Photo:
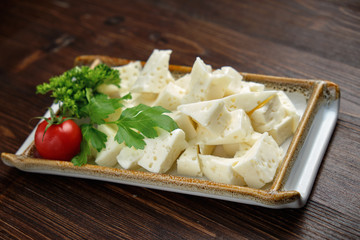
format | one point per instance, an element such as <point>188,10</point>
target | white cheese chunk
<point>239,149</point>
<point>107,156</point>
<point>155,75</point>
<point>259,164</point>
<point>205,84</point>
<point>184,82</point>
<point>188,163</point>
<point>210,114</point>
<point>185,123</point>
<point>219,81</point>
<point>282,130</point>
<point>160,153</point>
<point>235,83</point>
<point>220,169</point>
<point>238,129</point>
<point>252,87</point>
<point>170,97</point>
<point>203,135</point>
<point>236,148</point>
<point>129,73</point>
<point>290,109</point>
<point>129,157</point>
<point>278,117</point>
<point>246,100</point>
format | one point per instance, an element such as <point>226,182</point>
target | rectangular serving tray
<point>317,101</point>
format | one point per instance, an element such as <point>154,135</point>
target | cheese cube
<point>252,87</point>
<point>185,123</point>
<point>290,109</point>
<point>259,164</point>
<point>129,73</point>
<point>184,82</point>
<point>237,130</point>
<point>129,157</point>
<point>219,81</point>
<point>236,148</point>
<point>239,149</point>
<point>210,114</point>
<point>160,153</point>
<point>220,169</point>
<point>204,84</point>
<point>236,84</point>
<point>203,135</point>
<point>170,97</point>
<point>282,130</point>
<point>107,156</point>
<point>155,75</point>
<point>246,100</point>
<point>188,163</point>
<point>278,117</point>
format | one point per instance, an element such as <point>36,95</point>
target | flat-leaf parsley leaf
<point>137,122</point>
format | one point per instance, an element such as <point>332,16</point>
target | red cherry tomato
<point>60,142</point>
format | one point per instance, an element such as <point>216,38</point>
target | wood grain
<point>306,39</point>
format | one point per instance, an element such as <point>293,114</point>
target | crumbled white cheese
<point>229,129</point>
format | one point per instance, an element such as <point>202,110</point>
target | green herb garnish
<point>76,92</point>
<point>75,88</point>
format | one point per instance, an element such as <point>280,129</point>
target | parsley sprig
<point>77,86</point>
<point>76,91</point>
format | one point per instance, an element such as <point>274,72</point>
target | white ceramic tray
<point>317,102</point>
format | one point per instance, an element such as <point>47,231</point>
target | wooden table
<point>302,39</point>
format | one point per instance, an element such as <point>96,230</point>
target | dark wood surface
<point>304,39</point>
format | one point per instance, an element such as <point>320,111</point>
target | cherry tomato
<point>60,142</point>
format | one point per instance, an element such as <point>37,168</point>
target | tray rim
<point>273,197</point>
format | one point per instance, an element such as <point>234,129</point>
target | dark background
<point>301,39</point>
